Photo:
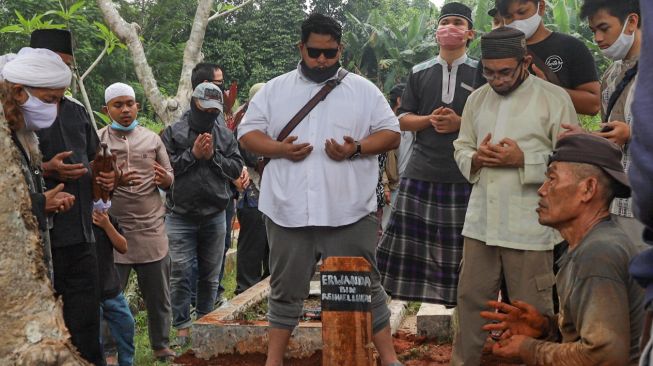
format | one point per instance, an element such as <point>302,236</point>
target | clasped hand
<point>504,154</point>
<point>203,147</point>
<point>445,120</point>
<point>518,322</point>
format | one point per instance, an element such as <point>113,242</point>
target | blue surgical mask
<point>117,126</point>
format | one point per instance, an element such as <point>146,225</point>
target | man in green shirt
<point>601,306</point>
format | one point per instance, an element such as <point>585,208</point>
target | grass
<point>413,308</point>
<point>143,356</point>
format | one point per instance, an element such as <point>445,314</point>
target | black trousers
<point>253,252</point>
<point>76,281</point>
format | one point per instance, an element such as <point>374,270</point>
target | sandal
<point>164,355</point>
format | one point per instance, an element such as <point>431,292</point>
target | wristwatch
<point>356,154</point>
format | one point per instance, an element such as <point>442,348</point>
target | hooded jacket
<point>201,187</point>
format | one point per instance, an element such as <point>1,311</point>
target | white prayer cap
<point>118,90</point>
<point>38,68</point>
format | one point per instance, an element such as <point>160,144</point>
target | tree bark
<point>33,330</point>
<point>128,34</point>
<point>167,109</point>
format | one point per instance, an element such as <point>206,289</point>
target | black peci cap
<point>458,10</point>
<point>503,42</point>
<point>56,40</point>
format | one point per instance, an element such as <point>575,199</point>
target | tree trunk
<point>33,330</point>
<point>167,109</point>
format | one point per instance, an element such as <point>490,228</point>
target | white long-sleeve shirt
<point>319,191</point>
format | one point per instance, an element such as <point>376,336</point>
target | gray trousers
<point>529,277</point>
<point>154,284</point>
<point>294,253</point>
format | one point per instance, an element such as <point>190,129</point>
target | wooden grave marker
<point>346,284</point>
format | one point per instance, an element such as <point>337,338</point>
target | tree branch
<point>225,13</point>
<point>96,62</point>
<point>128,34</point>
<point>192,54</point>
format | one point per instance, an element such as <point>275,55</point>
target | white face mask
<point>619,49</point>
<point>527,26</point>
<point>38,114</point>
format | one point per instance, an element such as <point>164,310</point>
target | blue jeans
<point>116,313</point>
<point>190,239</point>
<point>229,215</point>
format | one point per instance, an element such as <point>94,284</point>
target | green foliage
<point>109,38</point>
<point>150,124</point>
<point>27,26</point>
<point>68,14</point>
<point>383,39</point>
<point>102,120</point>
<point>385,46</point>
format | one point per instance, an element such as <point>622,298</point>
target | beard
<point>513,87</point>
<point>320,75</point>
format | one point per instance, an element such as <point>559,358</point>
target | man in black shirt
<point>557,57</point>
<point>68,147</point>
<point>425,227</point>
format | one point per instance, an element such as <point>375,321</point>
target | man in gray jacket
<point>205,158</point>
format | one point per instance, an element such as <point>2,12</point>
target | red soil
<point>411,349</point>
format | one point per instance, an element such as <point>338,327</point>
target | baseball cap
<point>590,149</point>
<point>209,96</point>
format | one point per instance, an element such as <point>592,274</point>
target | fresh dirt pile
<point>255,359</point>
<point>411,349</point>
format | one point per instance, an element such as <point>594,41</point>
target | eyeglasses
<point>327,52</point>
<point>502,75</point>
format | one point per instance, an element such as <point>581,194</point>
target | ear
<point>633,22</point>
<point>589,189</point>
<point>138,106</point>
<point>19,94</point>
<point>541,8</point>
<point>471,33</point>
<point>528,59</point>
<point>105,110</point>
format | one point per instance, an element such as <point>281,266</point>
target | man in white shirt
<point>509,128</point>
<point>318,191</point>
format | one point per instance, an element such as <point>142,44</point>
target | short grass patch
<point>143,356</point>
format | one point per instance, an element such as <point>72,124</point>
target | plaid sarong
<point>420,251</point>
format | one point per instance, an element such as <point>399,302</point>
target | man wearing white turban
<point>29,102</point>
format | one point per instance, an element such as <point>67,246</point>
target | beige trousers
<point>529,277</point>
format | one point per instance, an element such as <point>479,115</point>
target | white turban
<point>38,68</point>
<point>118,90</point>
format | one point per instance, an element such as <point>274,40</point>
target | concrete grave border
<point>219,333</point>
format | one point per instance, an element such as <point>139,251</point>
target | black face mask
<point>320,75</point>
<point>201,121</point>
<point>522,76</point>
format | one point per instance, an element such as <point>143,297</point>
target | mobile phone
<point>607,129</point>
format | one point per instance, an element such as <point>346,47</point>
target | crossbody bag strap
<point>628,77</point>
<point>306,109</point>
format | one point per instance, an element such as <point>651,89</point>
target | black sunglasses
<point>327,52</point>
